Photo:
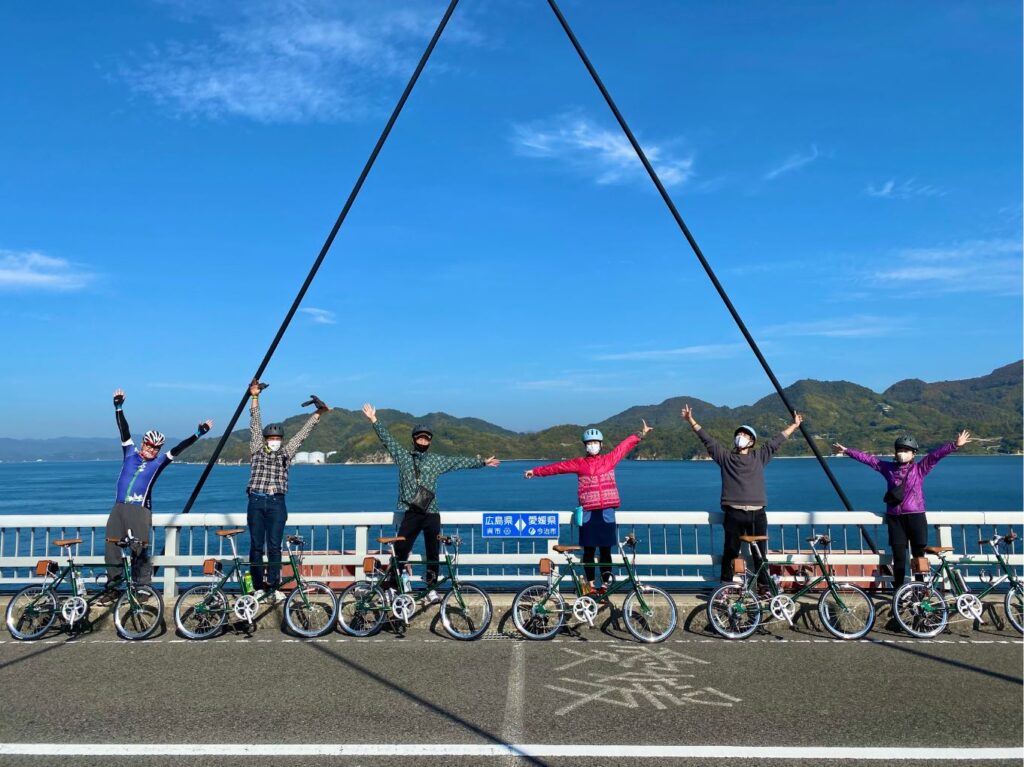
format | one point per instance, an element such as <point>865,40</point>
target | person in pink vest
<point>598,495</point>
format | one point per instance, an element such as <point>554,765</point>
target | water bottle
<point>247,583</point>
<point>777,580</point>
<point>406,587</point>
<point>80,586</point>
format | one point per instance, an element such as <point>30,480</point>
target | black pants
<point>903,529</point>
<point>736,523</point>
<point>412,523</point>
<point>605,553</point>
<point>124,517</point>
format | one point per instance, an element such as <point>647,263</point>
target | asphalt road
<point>792,689</point>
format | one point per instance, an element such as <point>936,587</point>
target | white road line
<point>813,753</point>
<point>515,702</point>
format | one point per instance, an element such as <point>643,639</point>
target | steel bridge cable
<point>326,247</point>
<point>703,261</point>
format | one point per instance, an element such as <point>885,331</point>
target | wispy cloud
<point>705,351</point>
<point>30,270</point>
<point>604,155</point>
<point>975,266</point>
<point>904,190</point>
<point>861,326</point>
<point>319,316</point>
<point>793,162</point>
<point>304,60</point>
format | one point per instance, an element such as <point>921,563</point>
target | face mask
<point>742,441</point>
<point>905,456</point>
<point>421,448</point>
<point>274,445</point>
<point>593,448</point>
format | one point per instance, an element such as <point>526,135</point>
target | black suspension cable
<point>323,251</point>
<point>704,263</point>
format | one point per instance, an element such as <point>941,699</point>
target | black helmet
<point>906,443</point>
<point>421,429</point>
<point>273,430</point>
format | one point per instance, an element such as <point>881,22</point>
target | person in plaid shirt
<point>416,468</point>
<point>268,483</point>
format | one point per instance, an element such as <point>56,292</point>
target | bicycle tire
<point>920,610</point>
<point>141,620</point>
<point>734,611</point>
<point>657,622</point>
<point>466,618</point>
<point>362,610</point>
<point>311,609</point>
<point>211,617</point>
<point>851,620</point>
<point>1013,603</point>
<point>534,624</point>
<point>41,604</point>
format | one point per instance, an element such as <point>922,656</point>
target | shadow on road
<point>951,662</point>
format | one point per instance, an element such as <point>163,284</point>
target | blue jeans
<point>266,517</point>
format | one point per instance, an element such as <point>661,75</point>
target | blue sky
<point>170,170</point>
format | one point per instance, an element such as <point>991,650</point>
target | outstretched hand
<point>118,397</point>
<point>528,474</point>
<point>963,438</point>
<point>645,428</point>
<point>205,426</point>
<point>370,412</point>
<point>838,449</point>
<point>492,462</point>
<point>797,419</point>
<point>686,412</point>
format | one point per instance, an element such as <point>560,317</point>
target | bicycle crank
<point>73,609</point>
<point>969,606</point>
<point>403,607</point>
<point>246,607</point>
<point>783,607</point>
<point>584,610</point>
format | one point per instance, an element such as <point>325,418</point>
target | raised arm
<point>186,443</point>
<point>383,433</point>
<point>122,423</point>
<point>572,466</point>
<point>295,442</point>
<point>712,445</point>
<point>255,422</point>
<point>622,449</point>
<point>454,462</point>
<point>864,458</point>
<point>936,455</point>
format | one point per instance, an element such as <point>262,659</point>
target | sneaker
<point>431,597</point>
<point>271,595</point>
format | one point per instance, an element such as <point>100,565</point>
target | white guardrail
<point>677,548</point>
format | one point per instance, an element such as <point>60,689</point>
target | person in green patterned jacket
<point>418,468</point>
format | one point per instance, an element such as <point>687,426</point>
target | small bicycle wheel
<point>920,610</point>
<point>537,612</point>
<point>650,615</point>
<point>1014,604</point>
<point>847,612</point>
<point>138,612</point>
<point>311,609</point>
<point>362,610</point>
<point>466,611</point>
<point>201,612</point>
<point>31,612</point>
<point>734,611</point>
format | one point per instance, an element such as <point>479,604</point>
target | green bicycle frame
<point>775,590</point>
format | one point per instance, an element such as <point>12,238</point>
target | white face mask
<point>274,445</point>
<point>742,441</point>
<point>904,456</point>
<point>593,448</point>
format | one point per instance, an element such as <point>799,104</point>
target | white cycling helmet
<point>592,435</point>
<point>155,438</point>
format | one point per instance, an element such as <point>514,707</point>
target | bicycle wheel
<point>362,610</point>
<point>920,610</point>
<point>138,612</point>
<point>654,619</point>
<point>733,611</point>
<point>538,613</point>
<point>311,609</point>
<point>1014,604</point>
<point>31,612</point>
<point>847,612</point>
<point>201,612</point>
<point>466,611</point>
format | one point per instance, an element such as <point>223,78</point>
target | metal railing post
<point>170,572</point>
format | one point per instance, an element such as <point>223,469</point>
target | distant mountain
<point>990,406</point>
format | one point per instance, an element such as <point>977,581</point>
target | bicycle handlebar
<point>450,540</point>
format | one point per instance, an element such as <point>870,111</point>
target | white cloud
<point>319,316</point>
<point>605,155</point>
<point>705,351</point>
<point>891,190</point>
<point>300,61</point>
<point>975,266</point>
<point>30,270</point>
<point>861,326</point>
<point>793,162</point>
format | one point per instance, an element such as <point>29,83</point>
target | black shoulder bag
<point>894,495</point>
<point>424,496</point>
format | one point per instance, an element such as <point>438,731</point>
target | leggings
<point>412,523</point>
<point>588,562</point>
<point>904,528</point>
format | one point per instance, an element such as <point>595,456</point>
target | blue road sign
<point>520,525</point>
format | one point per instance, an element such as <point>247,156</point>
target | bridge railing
<point>679,549</point>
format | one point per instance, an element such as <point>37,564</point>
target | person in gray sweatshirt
<point>743,494</point>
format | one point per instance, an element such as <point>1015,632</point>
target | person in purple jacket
<point>904,495</point>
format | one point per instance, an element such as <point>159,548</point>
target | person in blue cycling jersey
<point>133,501</point>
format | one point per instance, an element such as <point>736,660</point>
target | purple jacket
<point>909,474</point>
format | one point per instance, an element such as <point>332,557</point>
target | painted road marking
<point>815,753</point>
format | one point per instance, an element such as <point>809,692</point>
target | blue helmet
<point>592,435</point>
<point>747,429</point>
